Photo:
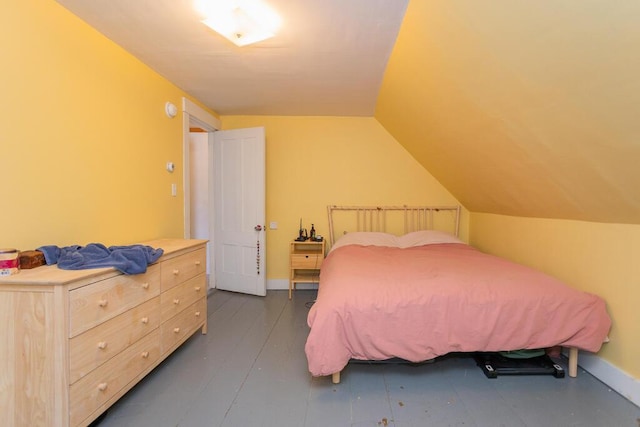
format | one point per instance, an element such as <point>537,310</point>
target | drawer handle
<point>197,262</point>
<point>197,314</point>
<point>176,272</point>
<point>103,303</point>
<point>176,301</point>
<point>102,345</point>
<point>145,320</point>
<point>176,330</point>
<point>197,288</point>
<point>102,386</point>
<point>145,354</point>
<point>145,286</point>
<point>306,256</point>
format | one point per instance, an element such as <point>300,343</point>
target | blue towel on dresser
<point>132,259</point>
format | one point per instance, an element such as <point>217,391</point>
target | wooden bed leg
<point>335,377</point>
<point>573,362</point>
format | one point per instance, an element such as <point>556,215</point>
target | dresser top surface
<point>52,275</point>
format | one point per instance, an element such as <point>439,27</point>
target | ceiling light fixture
<point>241,21</point>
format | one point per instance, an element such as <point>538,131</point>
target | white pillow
<point>426,237</point>
<point>416,238</point>
<point>366,238</point>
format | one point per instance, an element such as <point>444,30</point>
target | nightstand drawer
<point>306,261</point>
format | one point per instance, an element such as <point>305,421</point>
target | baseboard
<point>611,375</point>
<point>283,284</point>
<point>278,285</point>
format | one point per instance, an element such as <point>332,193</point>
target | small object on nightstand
<point>302,233</point>
<point>305,260</point>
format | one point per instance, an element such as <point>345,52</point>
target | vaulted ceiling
<point>518,108</point>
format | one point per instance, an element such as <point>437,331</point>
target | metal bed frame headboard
<point>374,218</point>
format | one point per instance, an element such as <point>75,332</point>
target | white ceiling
<point>328,58</point>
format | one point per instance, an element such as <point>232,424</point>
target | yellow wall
<point>313,162</point>
<point>84,136</point>
<point>594,257</point>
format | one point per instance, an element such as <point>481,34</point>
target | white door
<point>239,200</point>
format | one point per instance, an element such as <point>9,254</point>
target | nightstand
<point>305,259</point>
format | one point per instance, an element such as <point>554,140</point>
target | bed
<point>420,293</point>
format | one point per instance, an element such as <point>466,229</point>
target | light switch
<point>273,225</point>
<point>174,190</point>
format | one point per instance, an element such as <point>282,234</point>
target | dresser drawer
<point>183,267</point>
<point>306,261</point>
<point>92,348</point>
<point>94,304</point>
<point>182,296</point>
<point>95,389</point>
<point>178,328</point>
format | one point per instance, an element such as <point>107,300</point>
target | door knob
<point>258,228</point>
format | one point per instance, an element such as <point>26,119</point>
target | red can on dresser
<point>9,263</point>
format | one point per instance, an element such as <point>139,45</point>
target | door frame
<point>195,116</point>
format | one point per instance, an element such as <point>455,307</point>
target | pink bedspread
<point>376,303</point>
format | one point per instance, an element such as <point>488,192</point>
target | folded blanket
<point>132,259</point>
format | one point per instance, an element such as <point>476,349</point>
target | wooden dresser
<point>73,342</point>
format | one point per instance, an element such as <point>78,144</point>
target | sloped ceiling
<point>522,108</point>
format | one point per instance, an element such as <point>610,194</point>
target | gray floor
<point>250,370</point>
